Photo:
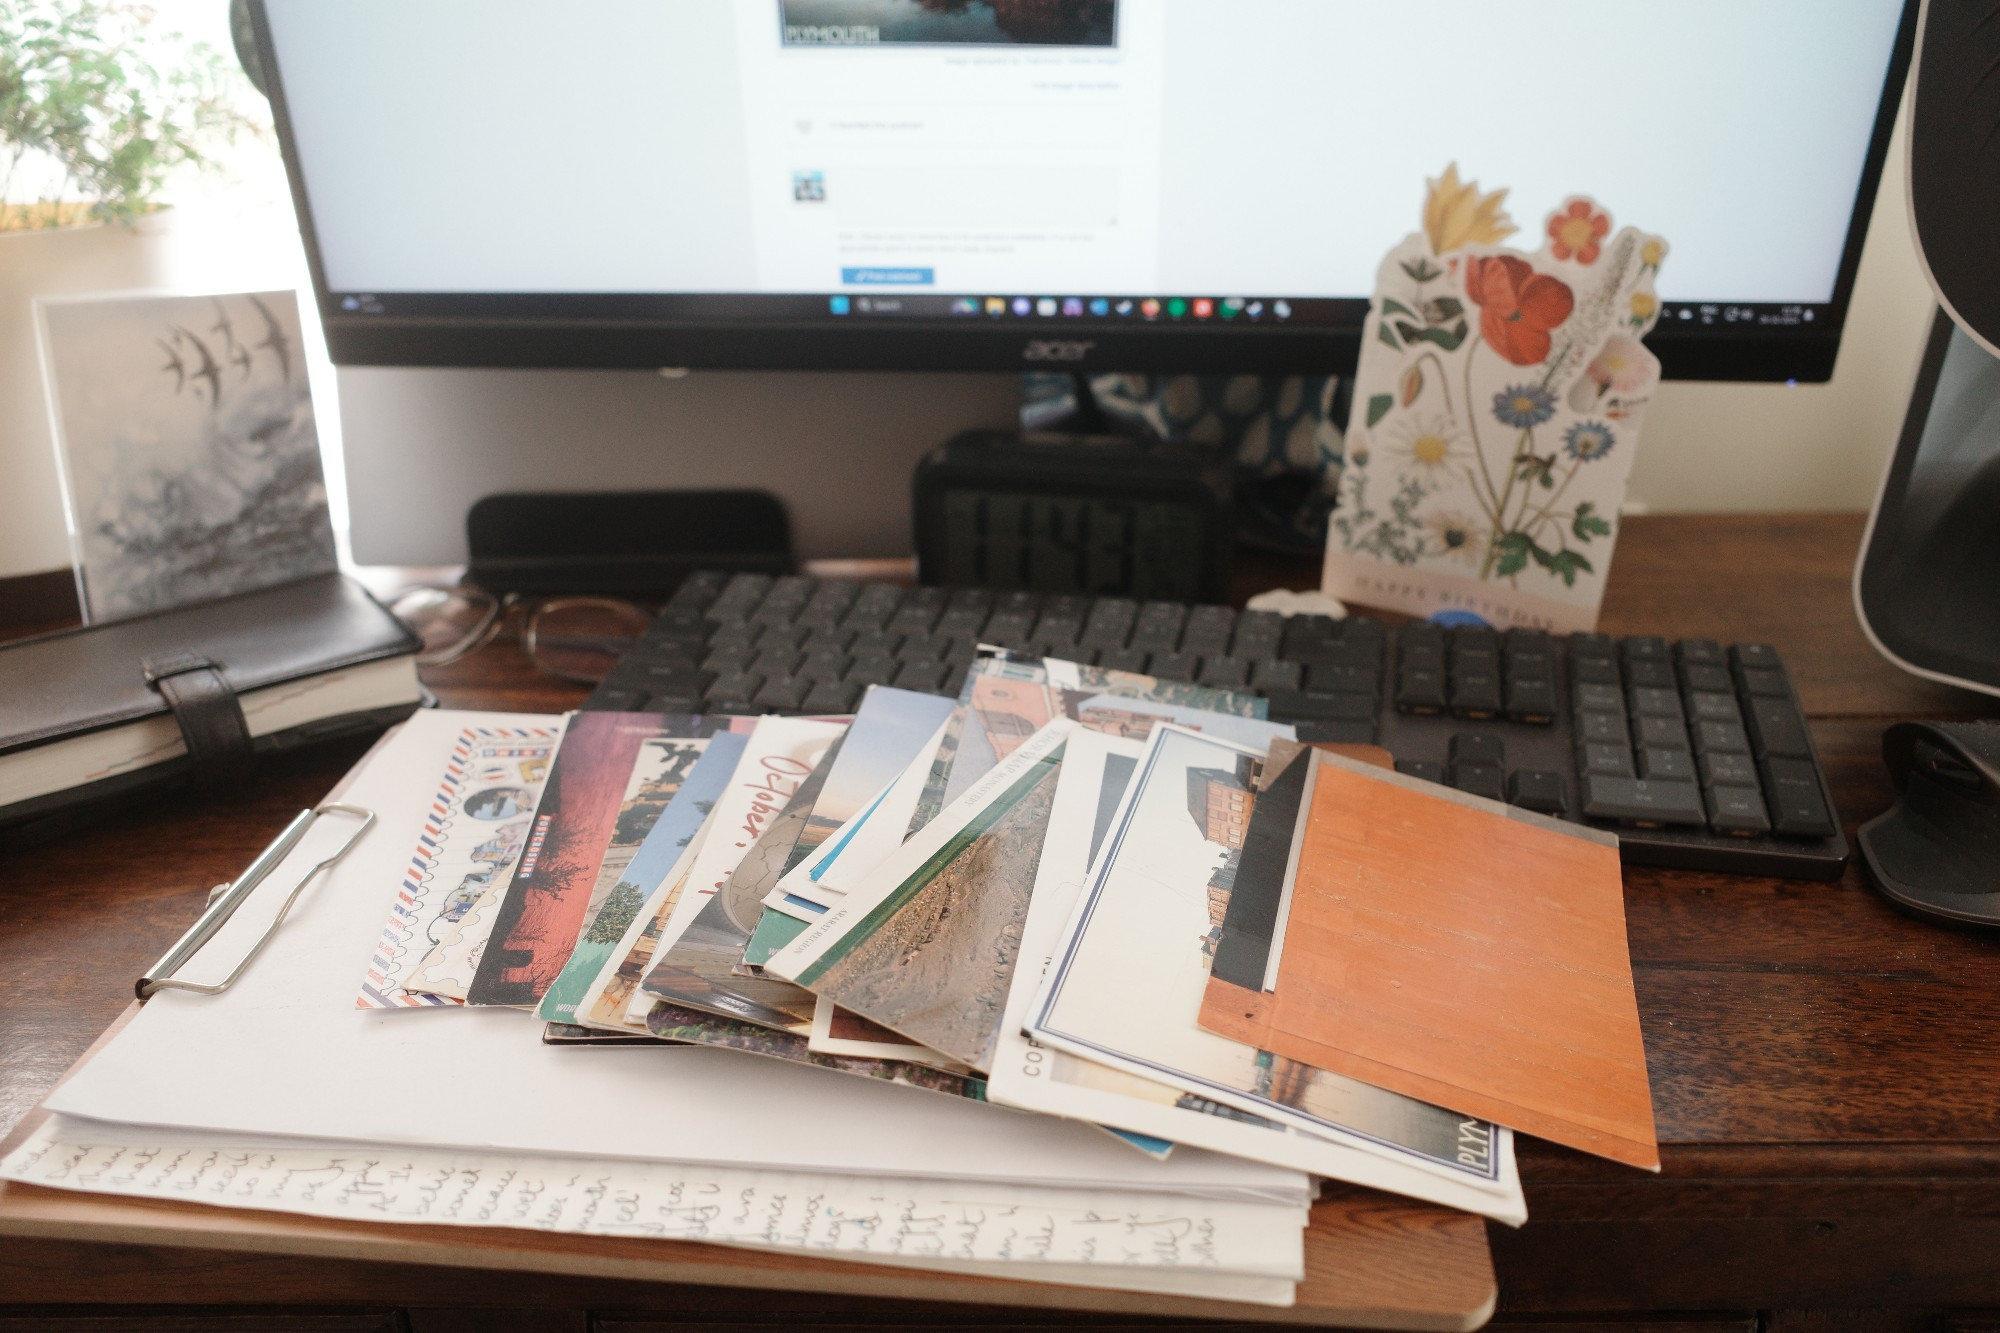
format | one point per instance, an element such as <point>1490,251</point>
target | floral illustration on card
<point>1497,409</point>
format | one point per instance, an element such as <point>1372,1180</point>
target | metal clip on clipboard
<point>228,897</point>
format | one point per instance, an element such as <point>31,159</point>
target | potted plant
<point>101,109</point>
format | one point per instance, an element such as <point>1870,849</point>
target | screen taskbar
<point>1315,313</point>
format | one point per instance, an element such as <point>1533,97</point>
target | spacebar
<point>1642,801</point>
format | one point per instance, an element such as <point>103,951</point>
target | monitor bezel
<point>513,338</point>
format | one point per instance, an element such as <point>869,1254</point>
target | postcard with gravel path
<point>926,945</point>
<point>1146,924</point>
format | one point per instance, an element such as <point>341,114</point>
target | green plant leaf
<point>1421,271</point>
<point>1387,335</point>
<point>1391,306</point>
<point>1587,523</point>
<point>1448,339</point>
<point>1513,549</point>
<point>1566,565</point>
<point>1378,407</point>
<point>1444,308</point>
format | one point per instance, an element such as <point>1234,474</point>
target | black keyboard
<point>1697,755</point>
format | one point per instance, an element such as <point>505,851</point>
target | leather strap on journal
<point>208,711</point>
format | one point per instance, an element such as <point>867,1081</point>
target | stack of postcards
<point>836,958</point>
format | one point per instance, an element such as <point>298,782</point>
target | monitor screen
<point>1101,184</point>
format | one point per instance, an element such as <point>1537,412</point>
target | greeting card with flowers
<point>1496,413</point>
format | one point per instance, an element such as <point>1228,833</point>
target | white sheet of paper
<point>284,1052</point>
<point>1096,1238</point>
<point>1137,929</point>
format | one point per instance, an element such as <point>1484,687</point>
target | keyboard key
<point>1729,770</point>
<point>1334,731</point>
<point>1109,624</point>
<point>828,641</point>
<point>781,637</point>
<point>1475,693</point>
<point>1738,811</point>
<point>1699,652</point>
<point>1421,657</point>
<point>1643,801</point>
<point>925,648</point>
<point>1158,629</point>
<point>924,677</point>
<point>961,622</point>
<point>878,670</point>
<point>1481,780</point>
<point>829,603</point>
<point>1342,677</point>
<point>775,662</point>
<point>1648,672</point>
<point>1645,648</point>
<point>1421,768</point>
<point>1534,789</point>
<point>1673,765</point>
<point>739,598</point>
<point>1223,672</point>
<point>1123,659</point>
<point>1797,807</point>
<point>1777,729</point>
<point>1304,632</point>
<point>831,697</point>
<point>1275,675</point>
<point>781,696</point>
<point>1591,645</point>
<point>686,627</point>
<point>697,592</point>
<point>1728,737</point>
<point>1706,678</point>
<point>1289,704</point>
<point>1420,690</point>
<point>1706,706</point>
<point>734,691</point>
<point>1756,656</point>
<point>1258,634</point>
<point>1594,697</point>
<point>1667,733</point>
<point>617,700</point>
<point>1531,698</point>
<point>1364,630</point>
<point>1649,701</point>
<point>725,662</point>
<point>1595,728</point>
<point>1768,683</point>
<point>1608,761</point>
<point>1175,666</point>
<point>1208,630</point>
<point>1362,653</point>
<point>872,609</point>
<point>1594,671</point>
<point>786,598</point>
<point>1008,627</point>
<point>1477,747</point>
<point>825,666</point>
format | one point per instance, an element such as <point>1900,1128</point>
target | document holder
<point>228,897</point>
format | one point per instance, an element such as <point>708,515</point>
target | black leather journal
<point>192,695</point>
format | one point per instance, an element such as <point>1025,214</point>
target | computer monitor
<point>1196,185</point>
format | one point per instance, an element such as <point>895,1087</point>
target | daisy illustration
<point>1456,536</point>
<point>1428,442</point>
<point>1587,440</point>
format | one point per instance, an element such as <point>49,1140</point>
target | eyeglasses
<point>576,638</point>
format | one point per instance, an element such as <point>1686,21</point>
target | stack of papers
<point>794,982</point>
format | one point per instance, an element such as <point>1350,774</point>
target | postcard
<point>821,24</point>
<point>838,1031</point>
<point>889,730</point>
<point>537,920</point>
<point>662,841</point>
<point>607,966</point>
<point>1147,923</point>
<point>470,837</point>
<point>701,969</point>
<point>926,944</point>
<point>867,838</point>
<point>672,1022</point>
<point>781,754</point>
<point>1461,950</point>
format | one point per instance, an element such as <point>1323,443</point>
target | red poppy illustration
<point>1577,230</point>
<point>1518,306</point>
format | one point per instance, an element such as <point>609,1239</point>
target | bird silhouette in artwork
<point>207,370</point>
<point>174,363</point>
<point>234,352</point>
<point>275,339</point>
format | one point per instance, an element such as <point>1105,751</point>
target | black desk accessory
<point>1103,515</point>
<point>634,543</point>
<point>1935,853</point>
<point>1697,755</point>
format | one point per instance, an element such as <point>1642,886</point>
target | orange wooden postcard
<point>1460,951</point>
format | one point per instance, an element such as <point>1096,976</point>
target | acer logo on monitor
<point>1057,349</point>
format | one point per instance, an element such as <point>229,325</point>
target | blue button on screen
<point>837,304</point>
<point>888,277</point>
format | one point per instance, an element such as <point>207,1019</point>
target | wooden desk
<point>1826,1072</point>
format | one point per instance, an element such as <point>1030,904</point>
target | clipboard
<point>1371,1260</point>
